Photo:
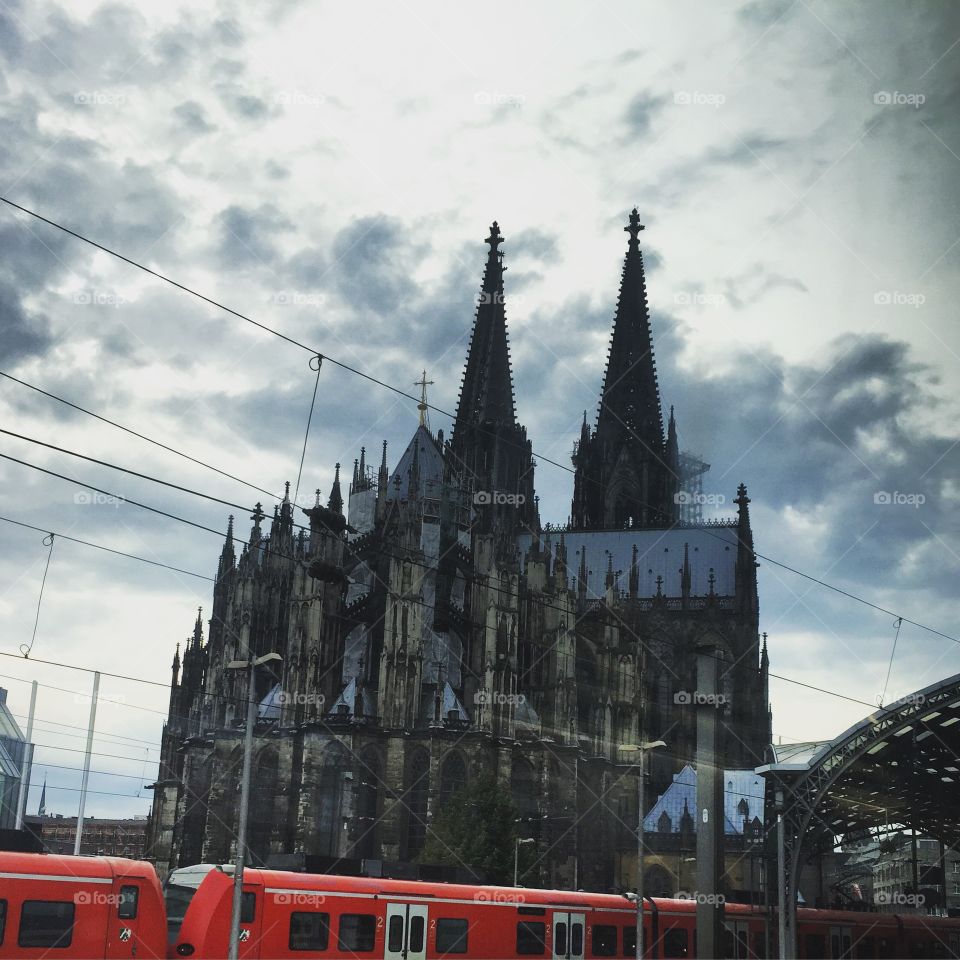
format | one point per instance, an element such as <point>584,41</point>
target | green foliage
<point>477,828</point>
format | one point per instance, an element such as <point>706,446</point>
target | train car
<point>295,915</point>
<point>82,907</point>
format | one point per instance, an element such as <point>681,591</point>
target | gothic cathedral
<point>433,631</point>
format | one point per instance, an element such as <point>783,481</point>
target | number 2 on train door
<point>568,936</point>
<point>406,937</point>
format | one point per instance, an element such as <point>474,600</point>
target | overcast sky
<point>332,170</point>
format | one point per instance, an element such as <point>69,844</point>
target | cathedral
<point>433,631</point>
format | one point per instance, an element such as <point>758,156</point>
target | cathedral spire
<point>198,629</point>
<point>630,401</point>
<point>335,503</point>
<point>486,395</point>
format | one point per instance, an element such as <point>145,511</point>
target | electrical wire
<point>26,648</point>
<point>119,553</point>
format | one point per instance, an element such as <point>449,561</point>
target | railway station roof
<point>900,766</point>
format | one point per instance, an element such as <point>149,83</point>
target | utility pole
<point>710,818</point>
<point>86,763</point>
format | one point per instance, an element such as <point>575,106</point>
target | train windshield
<point>178,899</point>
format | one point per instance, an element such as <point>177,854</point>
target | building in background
<point>13,752</point>
<point>435,632</point>
<point>101,837</point>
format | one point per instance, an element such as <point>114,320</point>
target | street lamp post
<point>516,856</point>
<point>640,749</point>
<point>251,667</point>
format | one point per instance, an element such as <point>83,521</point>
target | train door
<point>568,936</point>
<point>406,937</point>
<point>840,943</point>
<point>737,937</point>
<point>124,936</point>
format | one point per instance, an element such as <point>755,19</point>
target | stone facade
<point>433,630</point>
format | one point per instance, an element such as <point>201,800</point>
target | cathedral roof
<point>424,452</point>
<point>743,796</point>
<point>659,553</point>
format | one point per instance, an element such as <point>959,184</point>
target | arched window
<point>524,791</point>
<point>333,772</point>
<point>453,776</point>
<point>417,793</point>
<point>262,806</point>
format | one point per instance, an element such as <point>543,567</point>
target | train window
<point>3,918</point>
<point>630,941</point>
<point>45,923</point>
<point>531,911</point>
<point>416,934</point>
<point>248,907</point>
<point>675,943</point>
<point>604,941</point>
<point>560,938</point>
<point>127,908</point>
<point>451,936</point>
<point>309,931</point>
<point>865,949</point>
<point>357,932</point>
<point>532,938</point>
<point>816,947</point>
<point>576,939</point>
<point>395,934</point>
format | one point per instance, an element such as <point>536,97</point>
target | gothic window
<point>453,776</point>
<point>664,824</point>
<point>368,805</point>
<point>334,769</point>
<point>417,793</point>
<point>743,809</point>
<point>524,790</point>
<point>262,813</point>
<point>657,882</point>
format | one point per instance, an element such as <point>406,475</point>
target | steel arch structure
<point>898,765</point>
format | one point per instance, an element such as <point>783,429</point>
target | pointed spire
<point>634,574</point>
<point>685,573</point>
<point>176,665</point>
<point>630,402</point>
<point>335,503</point>
<point>198,629</point>
<point>363,463</point>
<point>486,395</point>
<point>227,554</point>
<point>257,517</point>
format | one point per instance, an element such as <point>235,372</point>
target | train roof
<point>53,864</point>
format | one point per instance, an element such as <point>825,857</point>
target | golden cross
<point>422,406</point>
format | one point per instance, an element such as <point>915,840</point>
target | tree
<point>477,828</point>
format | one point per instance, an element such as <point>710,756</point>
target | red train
<point>103,907</point>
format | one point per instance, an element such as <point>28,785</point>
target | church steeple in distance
<point>489,449</point>
<point>626,470</point>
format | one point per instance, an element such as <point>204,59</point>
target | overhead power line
<point>142,436</point>
<point>100,546</point>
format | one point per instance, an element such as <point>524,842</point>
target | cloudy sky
<point>332,170</point>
